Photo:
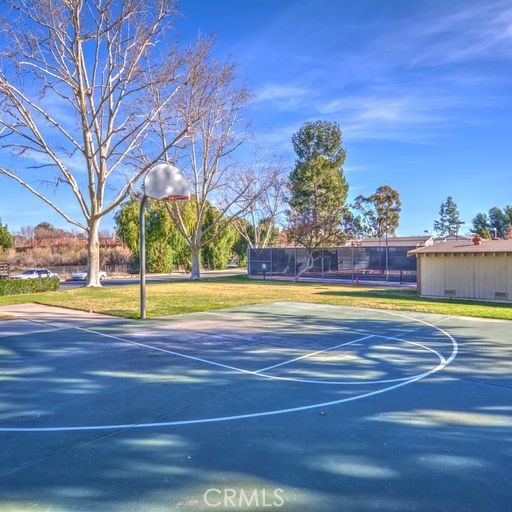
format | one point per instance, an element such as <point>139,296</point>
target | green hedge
<point>18,286</point>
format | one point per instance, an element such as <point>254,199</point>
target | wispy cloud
<point>483,30</point>
<point>283,96</point>
<point>277,92</point>
<point>409,79</point>
<point>398,116</point>
<point>278,138</point>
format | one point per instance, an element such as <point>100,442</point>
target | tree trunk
<point>195,246</point>
<point>93,254</point>
<point>196,263</point>
<point>309,265</point>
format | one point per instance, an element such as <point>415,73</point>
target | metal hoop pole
<point>142,257</point>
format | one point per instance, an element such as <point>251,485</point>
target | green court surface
<point>286,406</point>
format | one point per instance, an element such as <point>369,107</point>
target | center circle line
<point>73,428</point>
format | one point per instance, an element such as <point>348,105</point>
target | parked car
<point>34,273</point>
<point>82,275</point>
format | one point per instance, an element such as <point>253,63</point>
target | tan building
<point>466,269</point>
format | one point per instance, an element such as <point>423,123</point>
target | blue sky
<point>421,90</point>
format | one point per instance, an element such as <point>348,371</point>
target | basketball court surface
<point>284,406</point>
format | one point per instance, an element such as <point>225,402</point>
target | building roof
<point>396,241</point>
<point>450,238</point>
<point>464,246</point>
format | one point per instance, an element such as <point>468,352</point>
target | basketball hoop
<point>166,182</point>
<point>163,182</point>
<point>175,197</point>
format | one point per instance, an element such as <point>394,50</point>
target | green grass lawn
<point>189,296</point>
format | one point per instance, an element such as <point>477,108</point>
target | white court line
<point>272,377</point>
<point>241,370</point>
<point>42,331</point>
<point>353,383</point>
<point>261,370</point>
<point>274,412</point>
<point>314,353</point>
<point>286,323</point>
<point>336,328</point>
<point>455,350</point>
<point>221,314</point>
<point>442,359</point>
<point>226,418</point>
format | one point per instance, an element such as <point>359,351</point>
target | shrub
<point>19,286</point>
<point>74,254</point>
<point>115,255</point>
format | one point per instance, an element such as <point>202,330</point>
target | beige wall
<point>469,276</point>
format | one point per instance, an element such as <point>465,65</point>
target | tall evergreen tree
<point>387,205</point>
<point>6,241</point>
<point>379,214</point>
<point>449,220</point>
<point>499,222</point>
<point>508,212</point>
<point>365,223</point>
<point>481,225</point>
<point>318,188</point>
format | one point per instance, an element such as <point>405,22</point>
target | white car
<point>82,275</point>
<point>35,273</point>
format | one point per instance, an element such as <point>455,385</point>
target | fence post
<point>322,252</point>
<point>271,267</point>
<point>295,262</point>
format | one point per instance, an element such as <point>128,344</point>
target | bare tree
<point>206,156</point>
<point>265,202</point>
<point>28,232</point>
<point>77,80</point>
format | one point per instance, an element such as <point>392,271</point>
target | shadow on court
<point>393,443</point>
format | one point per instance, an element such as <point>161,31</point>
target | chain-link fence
<point>389,264</point>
